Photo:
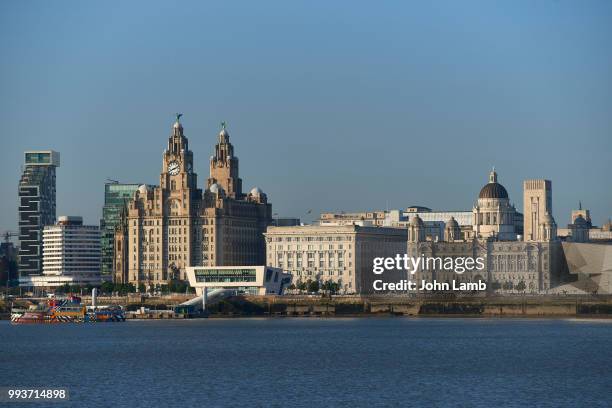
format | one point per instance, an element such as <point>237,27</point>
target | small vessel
<point>66,310</point>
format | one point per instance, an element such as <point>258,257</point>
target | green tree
<point>301,285</point>
<point>496,285</point>
<point>313,286</point>
<point>521,286</point>
<point>107,287</point>
<point>508,285</point>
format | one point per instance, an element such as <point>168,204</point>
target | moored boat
<point>66,310</point>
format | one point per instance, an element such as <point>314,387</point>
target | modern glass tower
<point>115,196</point>
<point>36,207</point>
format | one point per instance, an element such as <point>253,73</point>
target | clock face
<point>173,168</point>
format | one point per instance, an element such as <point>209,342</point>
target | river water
<point>281,362</point>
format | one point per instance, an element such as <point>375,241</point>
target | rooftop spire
<point>178,128</point>
<point>493,176</point>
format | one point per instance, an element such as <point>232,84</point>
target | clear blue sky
<point>330,105</point>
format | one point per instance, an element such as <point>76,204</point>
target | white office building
<point>71,254</point>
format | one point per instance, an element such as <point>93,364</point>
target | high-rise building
<point>36,207</point>
<point>116,197</point>
<point>537,202</point>
<point>175,225</point>
<point>71,254</point>
<point>72,249</point>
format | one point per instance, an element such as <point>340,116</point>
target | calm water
<point>316,362</point>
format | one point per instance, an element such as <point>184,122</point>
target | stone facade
<point>493,216</point>
<point>169,227</point>
<point>343,254</point>
<point>537,202</point>
<point>508,262</point>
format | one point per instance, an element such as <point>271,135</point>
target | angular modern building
<point>590,267</point>
<point>116,197</point>
<point>36,207</point>
<point>253,280</point>
<point>170,227</point>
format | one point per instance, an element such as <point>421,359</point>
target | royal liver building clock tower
<point>179,201</point>
<point>177,172</point>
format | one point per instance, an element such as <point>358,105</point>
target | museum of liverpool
<point>253,280</point>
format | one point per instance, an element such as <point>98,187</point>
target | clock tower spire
<point>177,171</point>
<point>224,166</point>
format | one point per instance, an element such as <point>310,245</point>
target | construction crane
<point>8,234</point>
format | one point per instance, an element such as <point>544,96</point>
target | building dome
<point>581,222</point>
<point>256,191</point>
<point>493,190</point>
<point>215,188</point>
<point>223,135</point>
<point>416,221</point>
<point>452,223</point>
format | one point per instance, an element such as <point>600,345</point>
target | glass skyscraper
<point>115,196</point>
<point>36,207</point>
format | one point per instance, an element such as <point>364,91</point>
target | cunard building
<point>166,228</point>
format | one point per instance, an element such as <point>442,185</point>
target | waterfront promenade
<point>361,306</point>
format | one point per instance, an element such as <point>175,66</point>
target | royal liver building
<point>168,227</point>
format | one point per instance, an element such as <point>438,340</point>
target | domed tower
<point>579,229</point>
<point>177,164</point>
<point>548,228</point>
<point>257,195</point>
<point>493,215</point>
<point>452,231</point>
<point>224,166</point>
<point>416,230</point>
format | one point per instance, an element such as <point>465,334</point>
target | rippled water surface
<point>283,362</point>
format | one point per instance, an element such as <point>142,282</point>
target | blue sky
<point>330,105</point>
